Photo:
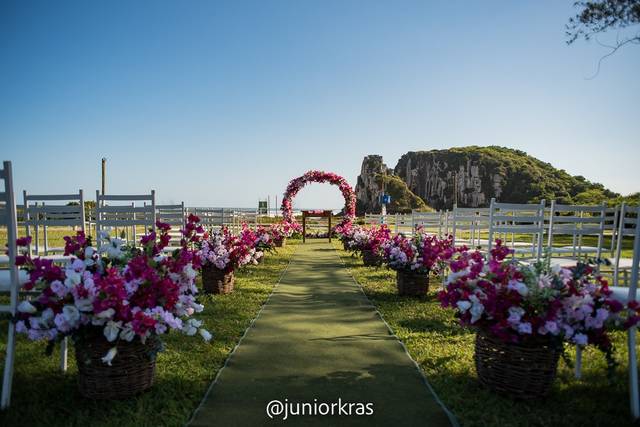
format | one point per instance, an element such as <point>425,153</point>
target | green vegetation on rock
<point>403,200</point>
<point>520,177</point>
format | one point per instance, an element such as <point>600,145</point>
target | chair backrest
<point>577,221</point>
<point>431,222</point>
<point>635,266</point>
<point>42,211</point>
<point>628,225</point>
<point>404,224</point>
<point>611,226</point>
<point>376,219</point>
<point>125,212</point>
<point>517,219</point>
<point>8,219</point>
<point>175,216</point>
<point>241,216</point>
<point>464,225</point>
<point>210,218</point>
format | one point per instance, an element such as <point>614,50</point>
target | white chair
<point>630,226</point>
<point>241,216</point>
<point>404,224</point>
<point>51,210</point>
<point>175,216</point>
<point>43,211</point>
<point>518,219</point>
<point>10,279</point>
<point>626,224</point>
<point>464,226</point>
<point>125,216</point>
<point>431,222</point>
<point>210,218</point>
<point>611,226</point>
<point>577,221</point>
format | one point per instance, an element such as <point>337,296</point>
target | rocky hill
<point>372,175</point>
<point>473,175</point>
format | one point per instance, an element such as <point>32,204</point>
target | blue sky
<point>221,103</point>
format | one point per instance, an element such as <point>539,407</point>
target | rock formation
<point>471,176</point>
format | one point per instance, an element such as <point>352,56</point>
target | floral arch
<point>295,185</point>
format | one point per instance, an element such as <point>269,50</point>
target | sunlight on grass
<point>444,351</point>
<point>42,395</point>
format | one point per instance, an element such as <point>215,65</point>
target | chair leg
<point>64,354</point>
<point>8,367</point>
<point>578,367</point>
<point>634,398</point>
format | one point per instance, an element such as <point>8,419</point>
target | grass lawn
<point>42,395</point>
<point>444,351</point>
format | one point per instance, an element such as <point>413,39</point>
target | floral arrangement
<point>516,303</point>
<point>370,239</point>
<point>345,231</point>
<point>264,240</point>
<point>297,184</point>
<point>421,253</point>
<point>285,230</point>
<point>123,293</point>
<point>228,252</point>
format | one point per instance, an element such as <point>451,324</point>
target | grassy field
<point>42,395</point>
<point>444,351</point>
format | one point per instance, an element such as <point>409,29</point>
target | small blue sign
<point>386,199</point>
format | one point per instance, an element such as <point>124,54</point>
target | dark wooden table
<point>315,214</point>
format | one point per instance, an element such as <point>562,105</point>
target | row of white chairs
<point>531,230</point>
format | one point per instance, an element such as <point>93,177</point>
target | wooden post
<point>104,175</point>
<point>304,227</point>
<point>329,233</point>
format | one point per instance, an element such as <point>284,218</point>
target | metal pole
<point>104,175</point>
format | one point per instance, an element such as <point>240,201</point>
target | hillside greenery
<point>403,200</point>
<point>523,177</point>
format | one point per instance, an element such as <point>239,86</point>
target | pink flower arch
<point>295,185</point>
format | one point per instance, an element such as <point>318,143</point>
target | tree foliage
<point>602,15</point>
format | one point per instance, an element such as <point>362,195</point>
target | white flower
<point>71,314</point>
<point>108,358</point>
<point>524,328</point>
<point>106,314</point>
<point>580,339</point>
<point>191,327</point>
<point>476,308</point>
<point>519,287</point>
<point>26,307</point>
<point>84,304</point>
<point>205,334</point>
<point>73,278</point>
<point>112,330</point>
<point>463,306</point>
<point>127,334</point>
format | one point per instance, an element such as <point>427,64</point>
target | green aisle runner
<point>318,340</point>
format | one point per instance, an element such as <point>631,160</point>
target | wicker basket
<point>281,243</point>
<point>216,281</point>
<point>522,371</point>
<point>132,371</point>
<point>412,284</point>
<point>371,259</point>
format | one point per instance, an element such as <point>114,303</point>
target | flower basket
<point>522,371</point>
<point>216,281</point>
<point>411,283</point>
<point>281,243</point>
<point>371,259</point>
<point>131,372</point>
